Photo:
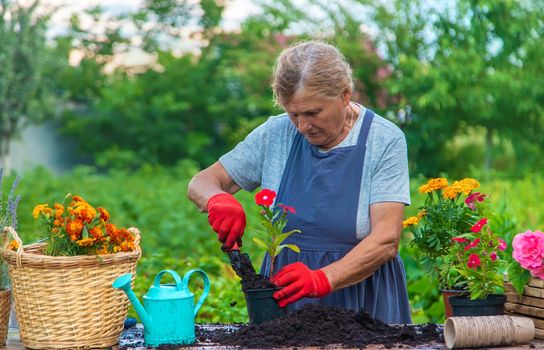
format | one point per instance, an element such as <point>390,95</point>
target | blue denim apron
<point>324,189</point>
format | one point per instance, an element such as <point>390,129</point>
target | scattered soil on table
<point>316,325</point>
<point>244,269</point>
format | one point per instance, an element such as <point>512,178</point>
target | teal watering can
<point>168,313</point>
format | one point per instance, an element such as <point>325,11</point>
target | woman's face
<point>322,121</point>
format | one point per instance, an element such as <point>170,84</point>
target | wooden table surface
<point>14,343</point>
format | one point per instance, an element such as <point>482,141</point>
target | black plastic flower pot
<point>464,306</point>
<point>261,305</point>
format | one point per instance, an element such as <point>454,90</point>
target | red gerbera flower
<point>460,240</point>
<point>265,197</point>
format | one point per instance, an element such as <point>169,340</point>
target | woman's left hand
<point>299,281</point>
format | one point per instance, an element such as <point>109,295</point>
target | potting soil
<point>316,325</point>
<point>249,278</point>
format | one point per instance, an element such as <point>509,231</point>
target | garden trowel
<point>240,261</point>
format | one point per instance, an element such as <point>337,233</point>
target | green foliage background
<point>467,73</point>
<point>175,235</point>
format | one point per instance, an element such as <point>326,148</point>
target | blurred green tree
<point>465,65</point>
<point>25,97</point>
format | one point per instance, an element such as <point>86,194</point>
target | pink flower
<point>473,198</point>
<point>460,240</point>
<point>265,197</point>
<point>473,261</point>
<point>502,244</point>
<point>287,208</point>
<point>479,225</point>
<point>493,256</point>
<point>472,244</point>
<point>529,251</point>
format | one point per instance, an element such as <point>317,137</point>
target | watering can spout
<point>123,283</point>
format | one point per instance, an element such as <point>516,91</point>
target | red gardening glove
<point>299,281</point>
<point>227,218</point>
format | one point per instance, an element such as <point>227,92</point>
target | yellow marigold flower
<point>438,183</point>
<point>425,189</point>
<point>74,228</point>
<point>41,208</point>
<point>421,214</point>
<point>412,220</point>
<point>13,245</point>
<point>468,185</point>
<point>452,191</point>
<point>85,242</point>
<point>116,249</point>
<point>104,215</point>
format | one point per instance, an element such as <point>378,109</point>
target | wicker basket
<point>68,302</point>
<point>5,308</point>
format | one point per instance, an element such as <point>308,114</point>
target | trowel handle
<point>206,286</point>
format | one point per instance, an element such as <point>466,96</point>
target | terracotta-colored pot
<point>446,293</point>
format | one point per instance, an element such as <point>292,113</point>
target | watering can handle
<point>206,286</point>
<point>157,280</point>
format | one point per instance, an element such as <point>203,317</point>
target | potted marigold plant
<point>449,211</point>
<point>8,217</point>
<point>260,303</point>
<point>62,286</point>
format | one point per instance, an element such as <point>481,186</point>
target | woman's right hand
<point>227,217</point>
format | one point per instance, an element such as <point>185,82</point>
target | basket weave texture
<point>66,302</point>
<point>5,308</point>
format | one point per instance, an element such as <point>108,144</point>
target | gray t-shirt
<point>260,159</point>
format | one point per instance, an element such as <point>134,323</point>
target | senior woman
<point>345,171</point>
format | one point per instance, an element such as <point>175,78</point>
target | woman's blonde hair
<point>317,67</point>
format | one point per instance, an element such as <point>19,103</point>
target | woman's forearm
<point>379,247</point>
<point>209,182</point>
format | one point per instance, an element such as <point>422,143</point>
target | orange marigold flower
<point>85,242</point>
<point>77,199</point>
<point>59,210</point>
<point>13,245</point>
<point>58,222</point>
<point>421,214</point>
<point>102,250</point>
<point>74,228</point>
<point>111,229</point>
<point>104,215</point>
<point>96,232</point>
<point>85,212</point>
<point>127,246</point>
<point>438,183</point>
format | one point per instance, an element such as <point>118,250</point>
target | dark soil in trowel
<point>244,269</point>
<point>315,325</point>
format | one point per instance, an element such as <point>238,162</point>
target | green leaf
<point>518,276</point>
<point>290,246</point>
<point>260,243</point>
